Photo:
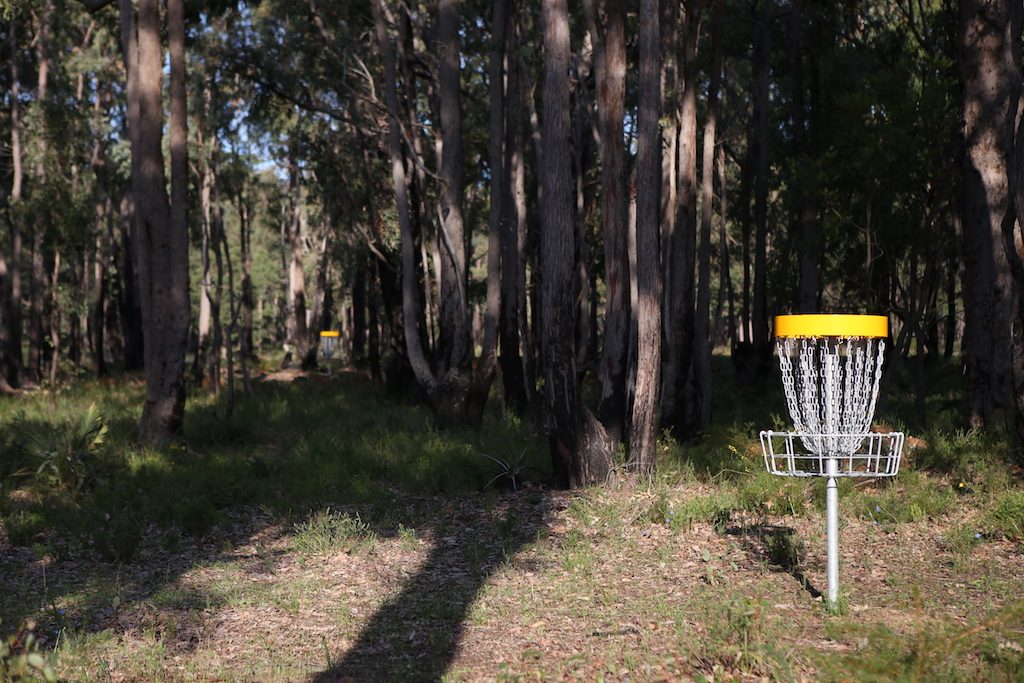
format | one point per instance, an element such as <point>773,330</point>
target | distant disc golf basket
<point>831,368</point>
<point>329,345</point>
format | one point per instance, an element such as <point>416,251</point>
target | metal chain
<point>831,385</point>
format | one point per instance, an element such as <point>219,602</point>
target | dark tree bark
<point>804,216</point>
<point>454,337</point>
<point>129,305</point>
<point>611,98</point>
<point>39,328</point>
<point>986,46</point>
<point>580,450</point>
<point>681,242</point>
<point>644,427</point>
<point>762,72</point>
<point>298,334</point>
<point>163,238</point>
<point>13,358</point>
<point>702,339</point>
<point>1013,225</point>
<point>513,230</point>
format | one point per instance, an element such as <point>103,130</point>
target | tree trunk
<point>804,218</point>
<point>611,97</point>
<point>580,451</point>
<point>13,358</point>
<point>201,362</point>
<point>702,339</point>
<point>1013,226</point>
<point>513,228</point>
<point>644,428</point>
<point>246,347</point>
<point>38,324</point>
<point>298,334</point>
<point>163,237</point>
<point>680,243</point>
<point>987,84</point>
<point>759,322</point>
<point>129,304</point>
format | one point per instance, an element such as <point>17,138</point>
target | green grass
<point>340,467</point>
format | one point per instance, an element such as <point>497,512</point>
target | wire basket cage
<point>831,369</point>
<point>329,340</point>
<point>877,455</point>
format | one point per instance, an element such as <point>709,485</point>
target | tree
<point>985,62</point>
<point>643,431</point>
<point>162,246</point>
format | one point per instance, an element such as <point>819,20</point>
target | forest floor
<point>327,532</point>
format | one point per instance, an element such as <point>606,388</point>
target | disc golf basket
<point>831,367</point>
<point>328,345</point>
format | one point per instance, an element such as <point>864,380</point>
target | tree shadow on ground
<point>777,545</point>
<point>301,448</point>
<point>415,635</point>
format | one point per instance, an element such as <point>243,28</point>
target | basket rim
<point>810,325</point>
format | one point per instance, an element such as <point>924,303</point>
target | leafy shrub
<point>65,452</point>
<point>763,493</point>
<point>118,539</point>
<point>23,526</point>
<point>1006,518</point>
<point>21,658</point>
<point>952,453</point>
<point>197,516</point>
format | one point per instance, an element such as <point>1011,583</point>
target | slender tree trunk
<point>217,238</point>
<point>163,237</point>
<point>1013,225</point>
<point>804,216</point>
<point>38,325</point>
<point>611,97</point>
<point>986,46</point>
<point>129,304</point>
<point>680,256</point>
<point>580,450</point>
<point>511,358</point>
<point>246,347</point>
<point>454,335</point>
<point>760,331</point>
<point>298,334</point>
<point>13,359</point>
<point>643,430</point>
<point>202,362</point>
<point>702,339</point>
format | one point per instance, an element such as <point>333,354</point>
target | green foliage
<point>331,531</point>
<point>23,527</point>
<point>935,652</point>
<point>911,497</point>
<point>955,453</point>
<point>65,452</point>
<point>1006,518</point>
<point>21,658</point>
<point>117,538</point>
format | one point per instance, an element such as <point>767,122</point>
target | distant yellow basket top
<point>818,325</point>
<point>329,333</point>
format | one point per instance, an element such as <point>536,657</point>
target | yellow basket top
<point>330,333</point>
<point>823,325</point>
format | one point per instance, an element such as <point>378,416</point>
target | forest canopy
<point>565,208</point>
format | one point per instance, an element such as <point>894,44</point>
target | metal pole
<point>832,516</point>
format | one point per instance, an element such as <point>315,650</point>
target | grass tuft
<point>331,531</point>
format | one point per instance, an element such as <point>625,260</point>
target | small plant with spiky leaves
<point>66,452</point>
<point>511,471</point>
